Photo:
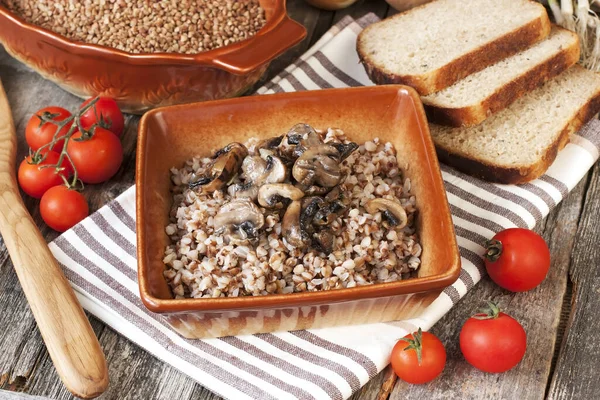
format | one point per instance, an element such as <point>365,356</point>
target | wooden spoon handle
<point>68,335</point>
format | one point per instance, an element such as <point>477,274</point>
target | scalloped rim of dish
<point>208,56</point>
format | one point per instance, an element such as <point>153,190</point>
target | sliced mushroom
<point>225,166</point>
<point>345,149</point>
<point>338,195</point>
<point>318,165</point>
<point>276,171</point>
<point>310,208</point>
<point>241,218</point>
<point>253,167</point>
<point>272,195</point>
<point>335,204</point>
<point>263,170</point>
<point>256,172</point>
<point>315,190</point>
<point>270,143</point>
<point>246,190</point>
<point>392,211</point>
<point>297,141</point>
<point>310,137</point>
<point>326,215</point>
<point>303,134</point>
<point>323,241</point>
<point>290,226</point>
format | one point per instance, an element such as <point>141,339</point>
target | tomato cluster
<point>66,151</point>
<point>492,341</point>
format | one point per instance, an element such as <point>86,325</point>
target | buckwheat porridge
<point>305,211</point>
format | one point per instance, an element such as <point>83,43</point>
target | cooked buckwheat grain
<point>200,263</point>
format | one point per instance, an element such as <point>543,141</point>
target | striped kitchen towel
<point>98,257</point>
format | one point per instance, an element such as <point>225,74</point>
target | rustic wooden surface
<point>560,316</point>
<point>67,333</point>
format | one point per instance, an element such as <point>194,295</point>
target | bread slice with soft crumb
<point>519,143</point>
<point>476,97</point>
<point>432,46</point>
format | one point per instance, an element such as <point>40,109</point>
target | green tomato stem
<point>415,344</point>
<point>493,250</point>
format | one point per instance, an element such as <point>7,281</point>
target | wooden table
<point>561,317</point>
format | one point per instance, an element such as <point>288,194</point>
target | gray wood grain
<point>537,310</point>
<point>576,374</point>
<point>135,374</point>
<point>8,395</point>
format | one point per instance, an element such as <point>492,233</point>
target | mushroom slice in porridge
<point>305,210</point>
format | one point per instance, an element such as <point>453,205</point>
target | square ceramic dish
<point>169,136</point>
<point>140,82</point>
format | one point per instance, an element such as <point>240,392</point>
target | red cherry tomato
<point>106,112</point>
<point>517,259</point>
<point>98,158</point>
<point>61,208</point>
<point>495,343</point>
<point>38,133</point>
<point>412,367</point>
<point>35,181</point>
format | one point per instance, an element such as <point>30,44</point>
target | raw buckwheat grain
<point>146,26</point>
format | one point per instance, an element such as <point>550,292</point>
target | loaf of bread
<point>519,143</point>
<point>474,98</point>
<point>435,45</point>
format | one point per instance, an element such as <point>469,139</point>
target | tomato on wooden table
<point>39,133</point>
<point>104,112</point>
<point>61,208</point>
<point>418,357</point>
<point>35,180</point>
<point>517,259</point>
<point>96,158</point>
<point>493,341</point>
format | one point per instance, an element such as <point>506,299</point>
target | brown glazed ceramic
<point>140,82</point>
<point>170,136</point>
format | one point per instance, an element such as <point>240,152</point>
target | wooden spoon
<point>68,335</point>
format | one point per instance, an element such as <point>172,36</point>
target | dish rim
<point>405,286</point>
<point>217,58</point>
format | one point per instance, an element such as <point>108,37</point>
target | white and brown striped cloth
<point>98,257</point>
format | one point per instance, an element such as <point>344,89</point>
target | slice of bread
<point>432,46</point>
<point>476,97</point>
<point>519,143</point>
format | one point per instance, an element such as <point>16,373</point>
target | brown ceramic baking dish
<point>170,136</point>
<point>140,82</point>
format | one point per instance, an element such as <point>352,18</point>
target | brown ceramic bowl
<point>170,136</point>
<point>140,82</point>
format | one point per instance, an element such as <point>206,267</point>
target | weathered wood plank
<point>376,388</point>
<point>310,18</point>
<point>23,350</point>
<point>537,310</point>
<point>24,364</point>
<point>576,373</point>
<point>8,395</point>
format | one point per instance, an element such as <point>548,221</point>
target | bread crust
<point>528,81</point>
<point>493,173</point>
<point>469,63</point>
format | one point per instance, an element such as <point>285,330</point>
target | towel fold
<point>98,257</point>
